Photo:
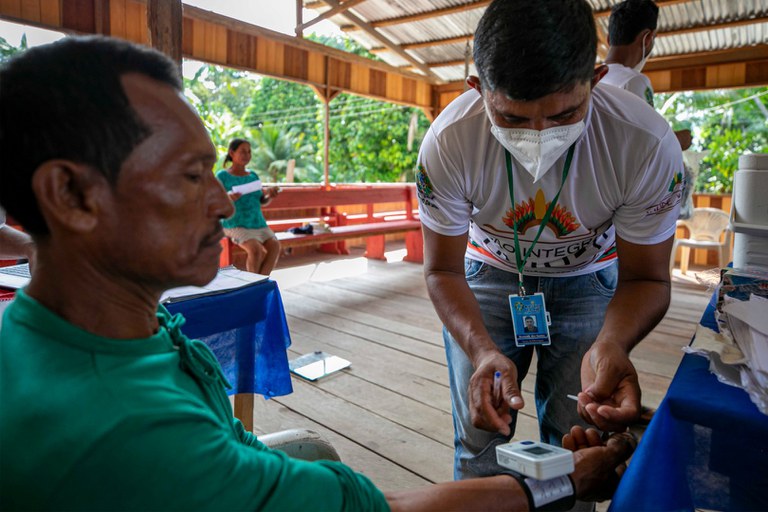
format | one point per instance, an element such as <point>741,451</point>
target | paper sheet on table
<point>247,188</point>
<point>731,364</point>
<point>228,278</point>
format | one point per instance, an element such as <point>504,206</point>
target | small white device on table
<point>534,459</point>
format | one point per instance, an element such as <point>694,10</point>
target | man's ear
<point>69,195</point>
<point>600,72</point>
<point>474,82</point>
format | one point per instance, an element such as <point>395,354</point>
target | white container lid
<point>754,162</point>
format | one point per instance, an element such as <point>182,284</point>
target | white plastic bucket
<point>749,213</point>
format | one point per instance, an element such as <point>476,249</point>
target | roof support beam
<point>426,15</point>
<point>715,26</point>
<point>365,26</point>
<point>660,3</point>
<point>164,24</point>
<point>327,14</point>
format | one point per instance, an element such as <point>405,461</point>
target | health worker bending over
<point>544,194</point>
<point>105,404</point>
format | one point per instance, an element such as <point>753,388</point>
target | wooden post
<point>326,142</point>
<point>299,18</point>
<point>165,22</point>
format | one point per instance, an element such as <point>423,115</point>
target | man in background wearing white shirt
<point>631,33</point>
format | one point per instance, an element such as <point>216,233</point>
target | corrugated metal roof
<point>703,16</point>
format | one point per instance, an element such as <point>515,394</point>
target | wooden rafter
<point>426,15</point>
<point>330,12</point>
<point>742,54</point>
<point>370,30</point>
<point>602,40</point>
<point>704,28</point>
<point>661,3</point>
<point>708,58</point>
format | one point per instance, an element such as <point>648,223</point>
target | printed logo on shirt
<point>530,213</point>
<point>649,96</point>
<point>565,244</point>
<point>424,188</point>
<point>677,179</point>
<point>672,199</point>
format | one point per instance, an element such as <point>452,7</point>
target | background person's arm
<point>15,244</point>
<point>611,393</point>
<point>460,313</point>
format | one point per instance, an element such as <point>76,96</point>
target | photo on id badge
<point>529,320</point>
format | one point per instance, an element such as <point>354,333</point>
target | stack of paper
<point>739,353</point>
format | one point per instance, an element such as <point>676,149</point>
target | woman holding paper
<point>247,227</point>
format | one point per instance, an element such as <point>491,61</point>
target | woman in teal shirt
<point>247,228</point>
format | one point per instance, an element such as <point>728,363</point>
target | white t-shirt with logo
<point>624,179</point>
<point>630,80</point>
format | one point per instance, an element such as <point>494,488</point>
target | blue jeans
<point>577,306</point>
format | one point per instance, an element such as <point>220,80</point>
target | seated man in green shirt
<point>105,404</point>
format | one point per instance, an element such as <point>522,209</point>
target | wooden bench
<point>299,205</point>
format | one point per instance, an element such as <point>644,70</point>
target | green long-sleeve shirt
<point>93,423</point>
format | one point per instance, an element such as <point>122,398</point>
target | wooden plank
<point>271,416</point>
<point>117,18</point>
<point>413,451</point>
<point>78,15</point>
<point>50,12</point>
<point>133,21</point>
<point>317,197</point>
<point>30,10</point>
<point>11,8</point>
<point>198,38</point>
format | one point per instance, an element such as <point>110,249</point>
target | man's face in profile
<point>162,224</point>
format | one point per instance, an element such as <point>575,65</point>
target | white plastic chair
<point>708,229</point>
<point>301,444</point>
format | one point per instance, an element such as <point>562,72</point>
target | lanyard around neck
<point>520,259</point>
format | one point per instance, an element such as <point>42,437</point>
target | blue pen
<point>497,387</point>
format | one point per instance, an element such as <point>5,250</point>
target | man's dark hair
<point>531,48</point>
<point>65,101</point>
<point>629,18</point>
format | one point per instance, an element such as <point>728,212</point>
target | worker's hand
<point>234,196</point>
<point>491,412</point>
<point>598,467</point>
<point>610,397</point>
<point>271,192</point>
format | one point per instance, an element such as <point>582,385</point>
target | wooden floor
<point>389,414</point>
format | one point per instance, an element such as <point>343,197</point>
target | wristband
<point>555,494</point>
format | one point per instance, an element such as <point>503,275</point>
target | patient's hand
<point>598,466</point>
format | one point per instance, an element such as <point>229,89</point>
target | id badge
<point>530,320</point>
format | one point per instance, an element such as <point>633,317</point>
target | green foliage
<point>726,123</point>
<point>7,49</point>
<point>273,146</point>
<point>369,140</point>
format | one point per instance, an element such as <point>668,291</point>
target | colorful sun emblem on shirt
<point>677,179</point>
<point>531,212</point>
<point>422,182</point>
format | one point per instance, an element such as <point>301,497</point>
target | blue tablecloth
<point>247,331</point>
<point>706,447</point>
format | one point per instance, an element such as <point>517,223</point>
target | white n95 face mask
<point>640,65</point>
<point>537,150</point>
